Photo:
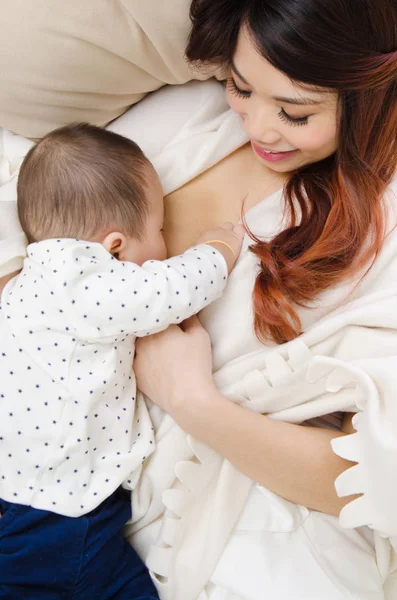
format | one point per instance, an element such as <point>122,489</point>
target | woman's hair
<point>348,46</point>
<point>81,180</point>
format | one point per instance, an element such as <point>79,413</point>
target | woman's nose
<point>260,128</point>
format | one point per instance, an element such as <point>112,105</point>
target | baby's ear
<point>114,243</point>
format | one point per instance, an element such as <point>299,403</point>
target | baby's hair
<point>80,181</point>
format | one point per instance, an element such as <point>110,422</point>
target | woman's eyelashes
<point>234,89</point>
<point>283,115</point>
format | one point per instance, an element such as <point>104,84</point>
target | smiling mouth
<point>275,151</point>
<point>272,156</point>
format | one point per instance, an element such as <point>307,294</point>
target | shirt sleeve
<point>113,298</point>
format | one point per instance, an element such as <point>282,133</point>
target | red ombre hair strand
<point>334,209</point>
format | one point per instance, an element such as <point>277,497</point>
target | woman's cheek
<point>322,138</point>
<point>234,102</point>
<point>323,142</point>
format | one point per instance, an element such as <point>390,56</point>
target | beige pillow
<point>86,60</point>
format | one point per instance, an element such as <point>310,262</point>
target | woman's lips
<point>271,156</point>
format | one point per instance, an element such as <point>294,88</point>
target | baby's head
<point>84,182</point>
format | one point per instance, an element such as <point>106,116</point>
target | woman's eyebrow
<point>235,69</point>
<point>298,101</point>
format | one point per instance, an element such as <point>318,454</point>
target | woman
<point>316,86</point>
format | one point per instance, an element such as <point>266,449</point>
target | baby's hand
<point>227,239</point>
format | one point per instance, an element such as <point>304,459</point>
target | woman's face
<point>288,125</point>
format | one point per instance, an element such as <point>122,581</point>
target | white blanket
<point>345,360</point>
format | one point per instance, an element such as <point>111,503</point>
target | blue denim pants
<point>45,556</point>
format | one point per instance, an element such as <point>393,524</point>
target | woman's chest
<point>216,196</point>
<point>230,320</point>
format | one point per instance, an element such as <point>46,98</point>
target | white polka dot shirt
<point>71,427</point>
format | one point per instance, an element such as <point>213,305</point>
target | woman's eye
<point>284,116</point>
<point>234,89</point>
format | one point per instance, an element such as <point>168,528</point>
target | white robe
<point>248,542</point>
<point>345,360</point>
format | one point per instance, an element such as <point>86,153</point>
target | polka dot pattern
<point>72,427</point>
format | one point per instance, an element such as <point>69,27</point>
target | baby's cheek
<point>164,252</point>
<point>160,249</point>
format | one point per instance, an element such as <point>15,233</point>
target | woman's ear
<point>114,243</point>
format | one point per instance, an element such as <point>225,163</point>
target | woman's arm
<point>296,462</point>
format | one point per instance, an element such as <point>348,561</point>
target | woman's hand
<point>173,368</point>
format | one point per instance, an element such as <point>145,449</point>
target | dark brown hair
<point>79,181</point>
<point>349,46</point>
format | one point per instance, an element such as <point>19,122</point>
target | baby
<point>73,432</point>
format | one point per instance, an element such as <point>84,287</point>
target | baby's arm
<point>109,298</point>
<point>179,287</point>
<point>203,277</point>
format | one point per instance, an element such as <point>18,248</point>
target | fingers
<point>227,239</point>
<point>191,324</point>
<point>239,230</point>
<point>157,338</point>
<point>228,226</point>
